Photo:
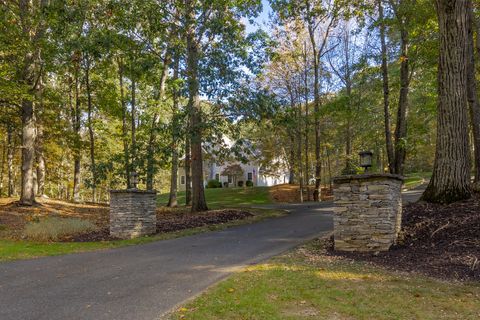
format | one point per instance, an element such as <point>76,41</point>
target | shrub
<point>52,229</point>
<point>240,183</point>
<point>214,184</point>
<point>249,183</point>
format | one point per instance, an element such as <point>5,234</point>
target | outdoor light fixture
<point>365,159</point>
<point>133,179</point>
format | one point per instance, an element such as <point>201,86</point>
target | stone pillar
<point>368,213</point>
<point>132,213</point>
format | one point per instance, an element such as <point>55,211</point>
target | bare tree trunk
<point>472,94</point>
<point>2,168</point>
<point>307,124</point>
<point>318,163</point>
<point>126,153</point>
<point>40,163</point>
<point>198,194</point>
<point>291,160</point>
<point>133,152</point>
<point>188,170</point>
<point>172,199</point>
<point>10,153</point>
<point>153,128</point>
<point>451,173</point>
<point>90,130</point>
<point>386,91</point>
<point>29,134</point>
<point>299,150</point>
<point>401,127</point>
<point>76,128</point>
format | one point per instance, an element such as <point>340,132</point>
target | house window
<point>182,180</point>
<point>249,176</point>
<point>217,177</point>
<point>230,179</point>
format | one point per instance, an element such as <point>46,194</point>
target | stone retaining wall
<point>368,211</point>
<point>132,213</point>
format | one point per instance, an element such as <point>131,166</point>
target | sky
<point>261,20</point>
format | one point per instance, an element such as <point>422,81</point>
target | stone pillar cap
<point>368,176</point>
<point>134,191</point>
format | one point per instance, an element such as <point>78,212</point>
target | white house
<point>251,170</point>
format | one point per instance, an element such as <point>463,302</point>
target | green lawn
<point>228,197</point>
<point>413,180</point>
<point>13,250</point>
<point>301,285</point>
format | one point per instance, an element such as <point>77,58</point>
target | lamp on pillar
<point>366,159</point>
<point>133,179</point>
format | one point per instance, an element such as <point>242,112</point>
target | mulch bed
<point>441,241</point>
<point>172,221</point>
<point>168,222</point>
<point>14,217</point>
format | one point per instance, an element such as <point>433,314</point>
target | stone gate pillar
<point>132,213</point>
<point>368,211</point>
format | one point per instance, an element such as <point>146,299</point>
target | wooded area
<point>91,91</point>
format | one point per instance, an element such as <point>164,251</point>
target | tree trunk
<point>307,124</point>
<point>299,150</point>
<point>77,146</point>
<point>198,193</point>
<point>450,181</point>
<point>90,130</point>
<point>386,91</point>
<point>40,163</point>
<point>318,164</point>
<point>27,196</point>
<point>133,152</point>
<point>126,153</point>
<point>172,199</point>
<point>401,127</point>
<point>153,128</point>
<point>291,160</point>
<point>10,153</point>
<point>472,94</point>
<point>188,170</point>
<point>2,168</point>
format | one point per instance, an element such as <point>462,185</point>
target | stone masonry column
<point>132,213</point>
<point>368,211</point>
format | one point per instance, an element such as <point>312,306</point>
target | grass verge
<point>13,250</point>
<point>305,285</point>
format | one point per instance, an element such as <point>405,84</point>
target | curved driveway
<point>146,281</point>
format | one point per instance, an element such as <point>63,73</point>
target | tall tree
<point>33,27</point>
<point>386,88</point>
<point>473,93</point>
<point>451,173</point>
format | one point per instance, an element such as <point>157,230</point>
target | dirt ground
<point>13,217</point>
<point>290,193</point>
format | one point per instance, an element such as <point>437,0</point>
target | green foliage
<point>249,183</point>
<point>53,229</point>
<point>212,184</point>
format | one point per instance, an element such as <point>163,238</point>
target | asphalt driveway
<point>146,281</point>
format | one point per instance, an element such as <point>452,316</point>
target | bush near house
<point>249,183</point>
<point>212,184</point>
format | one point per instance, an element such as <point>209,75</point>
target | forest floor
<point>171,223</point>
